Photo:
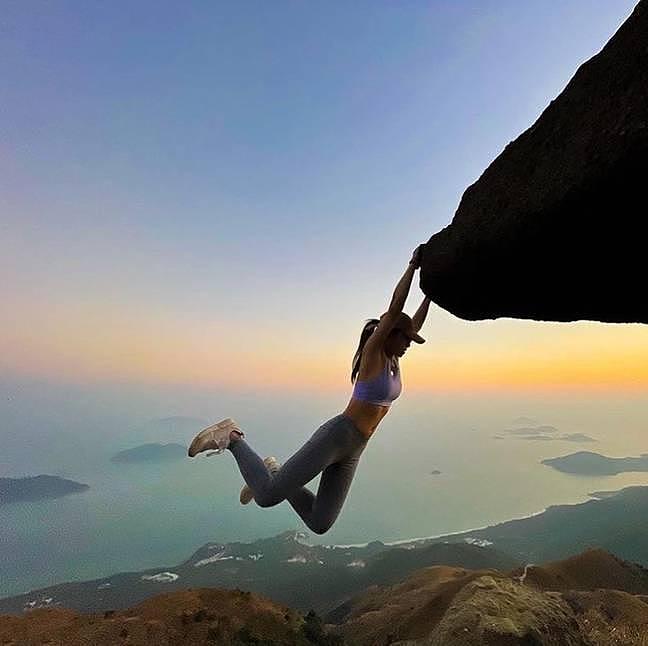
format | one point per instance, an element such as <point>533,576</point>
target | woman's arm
<point>402,290</point>
<point>404,284</point>
<point>419,318</point>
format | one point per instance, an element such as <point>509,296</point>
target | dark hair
<point>369,326</point>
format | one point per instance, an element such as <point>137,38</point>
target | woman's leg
<point>332,492</point>
<point>324,447</point>
<point>296,474</point>
<point>335,444</point>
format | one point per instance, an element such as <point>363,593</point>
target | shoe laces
<point>223,442</point>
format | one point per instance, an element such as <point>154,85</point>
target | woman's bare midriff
<point>366,416</point>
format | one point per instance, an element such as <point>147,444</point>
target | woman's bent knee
<point>267,500</point>
<point>320,527</point>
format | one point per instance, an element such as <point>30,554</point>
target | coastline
<point>588,497</point>
<point>443,534</point>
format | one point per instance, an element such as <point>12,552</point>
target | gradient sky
<point>219,194</point>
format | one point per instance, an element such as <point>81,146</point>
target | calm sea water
<point>135,517</point>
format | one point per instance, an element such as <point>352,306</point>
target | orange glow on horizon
<point>330,373</point>
<point>83,342</point>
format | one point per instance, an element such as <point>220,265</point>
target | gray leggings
<point>334,449</point>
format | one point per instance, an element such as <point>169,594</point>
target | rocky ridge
<point>434,606</point>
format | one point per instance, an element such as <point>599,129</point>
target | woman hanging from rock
<point>335,448</point>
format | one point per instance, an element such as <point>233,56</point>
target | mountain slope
<point>616,523</point>
<point>449,606</point>
<point>189,617</point>
<point>284,568</point>
<point>438,605</point>
<point>594,568</point>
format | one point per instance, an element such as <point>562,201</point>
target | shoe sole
<point>246,496</point>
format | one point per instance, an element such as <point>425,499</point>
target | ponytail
<point>369,326</point>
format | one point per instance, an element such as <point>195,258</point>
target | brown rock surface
<point>554,229</point>
<point>179,618</point>
<point>492,611</point>
<point>434,606</point>
<point>594,568</point>
<point>407,610</point>
<point>445,606</point>
<point>456,607</point>
<point>608,617</point>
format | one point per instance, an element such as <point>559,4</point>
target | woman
<point>336,446</point>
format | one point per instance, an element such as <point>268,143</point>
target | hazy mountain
<point>617,523</point>
<point>283,567</point>
<point>152,453</point>
<point>545,433</point>
<point>567,437</point>
<point>594,464</point>
<point>37,488</point>
<point>532,430</point>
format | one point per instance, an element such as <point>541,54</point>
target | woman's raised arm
<point>404,284</point>
<point>421,313</point>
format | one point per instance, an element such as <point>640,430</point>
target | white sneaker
<point>215,437</point>
<point>246,493</point>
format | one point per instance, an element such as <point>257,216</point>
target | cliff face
<point>554,229</point>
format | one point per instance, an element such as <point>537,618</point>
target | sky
<point>218,194</point>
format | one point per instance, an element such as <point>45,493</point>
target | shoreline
<point>299,536</point>
<point>302,536</point>
<point>587,498</point>
<point>424,538</point>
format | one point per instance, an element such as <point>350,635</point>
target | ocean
<point>156,515</point>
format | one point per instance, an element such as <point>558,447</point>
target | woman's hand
<point>417,256</point>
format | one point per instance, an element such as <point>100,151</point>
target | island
<point>593,464</point>
<point>151,453</point>
<point>33,488</point>
<point>544,433</point>
<point>567,437</point>
<point>578,437</point>
<point>532,430</point>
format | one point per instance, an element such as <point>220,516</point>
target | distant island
<point>567,437</point>
<point>34,488</point>
<point>593,464</point>
<point>151,453</point>
<point>532,430</point>
<point>544,433</point>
